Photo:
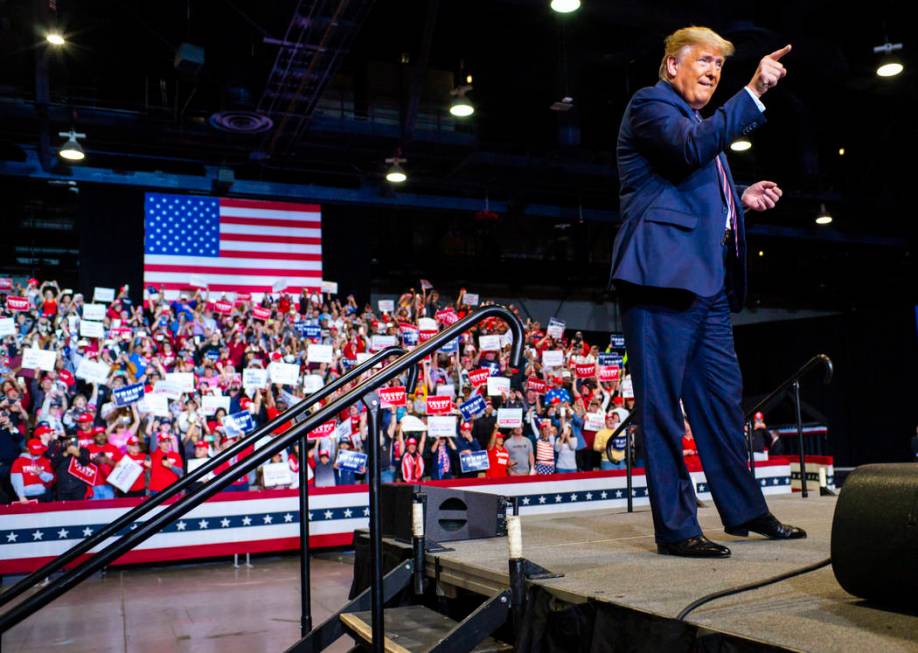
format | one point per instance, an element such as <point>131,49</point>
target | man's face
<point>695,73</point>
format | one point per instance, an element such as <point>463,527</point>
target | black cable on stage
<point>752,586</point>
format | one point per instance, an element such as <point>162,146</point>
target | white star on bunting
<point>525,501</point>
<point>224,523</point>
<point>87,532</point>
<point>62,534</point>
<point>288,518</point>
<point>12,537</point>
<point>180,526</point>
<point>541,499</point>
<point>268,519</point>
<point>246,520</point>
<point>37,535</point>
<point>203,524</point>
<point>328,514</point>
<point>347,513</point>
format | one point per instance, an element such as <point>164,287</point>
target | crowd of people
<point>111,398</point>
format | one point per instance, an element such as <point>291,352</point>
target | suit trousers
<point>680,346</point>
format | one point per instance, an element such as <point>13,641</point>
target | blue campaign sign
<point>472,408</point>
<point>238,423</point>
<point>312,331</point>
<point>613,358</point>
<point>355,461</point>
<point>494,368</point>
<point>474,461</point>
<point>409,337</point>
<point>451,347</point>
<point>212,355</point>
<point>617,340</point>
<point>127,395</point>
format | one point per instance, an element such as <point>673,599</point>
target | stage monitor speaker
<point>451,514</point>
<point>875,534</point>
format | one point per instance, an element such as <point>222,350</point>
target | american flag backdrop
<point>231,244</point>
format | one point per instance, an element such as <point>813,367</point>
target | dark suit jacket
<point>671,203</point>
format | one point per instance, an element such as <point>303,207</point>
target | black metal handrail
<point>71,577</point>
<point>86,545</point>
<point>778,393</point>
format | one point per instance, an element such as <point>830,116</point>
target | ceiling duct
<point>238,114</point>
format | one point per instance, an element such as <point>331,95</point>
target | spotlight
<point>396,174</point>
<point>460,106</point>
<point>71,149</point>
<point>823,217</point>
<point>741,145</point>
<point>841,151</point>
<point>890,65</point>
<point>565,6</point>
<point>55,38</point>
<point>761,252</point>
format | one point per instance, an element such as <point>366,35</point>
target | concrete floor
<point>200,608</point>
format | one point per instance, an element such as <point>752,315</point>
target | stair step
<point>412,629</point>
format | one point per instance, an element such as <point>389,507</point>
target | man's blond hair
<point>689,36</point>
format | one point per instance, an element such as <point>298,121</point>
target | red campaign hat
<point>558,379</point>
<point>98,429</point>
<point>33,281</point>
<point>323,452</point>
<point>84,418</point>
<point>164,437</point>
<point>276,356</point>
<point>544,423</point>
<point>200,443</point>
<point>618,401</point>
<point>244,402</point>
<point>411,441</point>
<point>36,448</point>
<point>133,440</point>
<point>465,426</point>
<point>66,377</point>
<point>42,430</point>
<point>759,415</point>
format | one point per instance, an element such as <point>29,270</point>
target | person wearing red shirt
<point>84,433</point>
<point>139,488</point>
<point>31,474</point>
<point>412,462</point>
<point>241,484</point>
<point>165,465</point>
<point>498,457</point>
<point>105,455</point>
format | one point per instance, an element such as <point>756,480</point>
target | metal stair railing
<point>71,577</point>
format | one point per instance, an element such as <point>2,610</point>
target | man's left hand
<point>761,196</point>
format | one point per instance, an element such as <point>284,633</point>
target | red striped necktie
<point>727,194</point>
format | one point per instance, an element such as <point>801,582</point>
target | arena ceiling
<point>338,86</point>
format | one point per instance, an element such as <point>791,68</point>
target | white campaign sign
<point>38,359</point>
<point>441,426</point>
<point>470,298</point>
<point>386,305</point>
<point>509,418</point>
<point>90,329</point>
<point>553,358</point>
<point>124,474</point>
<point>427,324</point>
<point>182,380</point>
<point>254,377</point>
<point>319,354</point>
<point>312,383</point>
<point>194,463</point>
<point>489,343</point>
<point>330,287</point>
<point>506,339</point>
<point>381,342</point>
<point>210,404</point>
<point>94,312</point>
<point>156,404</point>
<point>594,422</point>
<point>7,327</point>
<point>497,385</point>
<point>274,474</point>
<point>92,371</point>
<point>167,389</point>
<point>446,390</point>
<point>284,373</point>
<point>103,295</point>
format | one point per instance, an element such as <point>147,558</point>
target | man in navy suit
<point>678,264</point>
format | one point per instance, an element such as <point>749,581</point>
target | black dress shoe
<point>694,547</point>
<point>770,527</point>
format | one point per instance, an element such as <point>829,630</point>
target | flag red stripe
<point>225,287</point>
<point>274,206</point>
<point>203,269</point>
<point>285,256</point>
<point>271,222</point>
<point>252,238</point>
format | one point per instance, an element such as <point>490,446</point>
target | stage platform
<point>610,565</point>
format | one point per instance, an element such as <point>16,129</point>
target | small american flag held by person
<point>233,245</point>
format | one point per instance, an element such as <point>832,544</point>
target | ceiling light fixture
<point>823,217</point>
<point>396,174</point>
<point>565,6</point>
<point>741,145</point>
<point>890,65</point>
<point>55,38</point>
<point>461,106</point>
<point>71,149</point>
